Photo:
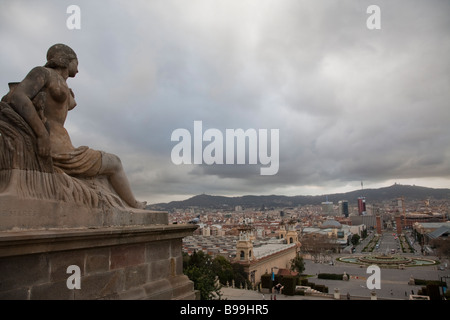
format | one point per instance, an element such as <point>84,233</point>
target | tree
<point>318,245</point>
<point>355,239</point>
<point>204,271</point>
<point>223,269</point>
<point>442,246</point>
<point>297,264</point>
<point>239,275</point>
<point>364,234</point>
<point>198,268</point>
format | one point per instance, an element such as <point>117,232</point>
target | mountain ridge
<point>372,195</point>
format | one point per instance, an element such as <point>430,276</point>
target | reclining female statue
<point>43,99</point>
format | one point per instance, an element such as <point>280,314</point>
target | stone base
<point>24,214</point>
<point>115,263</point>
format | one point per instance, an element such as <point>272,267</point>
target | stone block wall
<point>140,265</point>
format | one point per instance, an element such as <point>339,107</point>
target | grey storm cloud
<point>350,103</point>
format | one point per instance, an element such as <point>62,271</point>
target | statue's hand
<point>43,144</point>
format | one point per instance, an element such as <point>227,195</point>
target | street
<point>394,282</point>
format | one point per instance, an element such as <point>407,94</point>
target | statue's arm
<point>21,101</point>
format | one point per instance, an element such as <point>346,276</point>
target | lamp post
<point>272,279</point>
<point>443,290</point>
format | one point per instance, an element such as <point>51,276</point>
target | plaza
<point>394,281</point>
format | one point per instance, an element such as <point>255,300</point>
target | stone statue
<point>37,157</point>
<point>345,276</point>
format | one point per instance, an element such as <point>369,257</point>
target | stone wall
<point>116,263</point>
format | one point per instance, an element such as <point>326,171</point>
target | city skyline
<point>351,103</point>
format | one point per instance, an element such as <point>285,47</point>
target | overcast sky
<point>351,103</point>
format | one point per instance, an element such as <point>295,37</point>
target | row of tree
<point>209,274</point>
<point>321,247</point>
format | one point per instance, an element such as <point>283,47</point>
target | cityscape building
<point>264,240</point>
<point>343,208</point>
<point>361,206</point>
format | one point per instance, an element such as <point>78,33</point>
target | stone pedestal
<point>23,214</point>
<point>130,262</point>
<point>337,294</point>
<point>345,276</point>
<point>120,252</point>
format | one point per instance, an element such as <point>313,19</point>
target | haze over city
<point>351,104</point>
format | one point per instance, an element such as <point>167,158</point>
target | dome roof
<point>331,223</point>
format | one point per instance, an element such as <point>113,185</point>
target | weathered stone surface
<point>101,285</point>
<point>123,256</point>
<point>114,263</point>
<point>15,294</point>
<point>51,291</point>
<point>21,214</point>
<point>23,271</point>
<point>159,290</point>
<point>159,269</point>
<point>136,276</point>
<point>97,260</point>
<point>59,261</point>
<point>157,251</point>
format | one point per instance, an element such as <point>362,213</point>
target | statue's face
<point>73,67</point>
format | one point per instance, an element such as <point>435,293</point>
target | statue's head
<point>60,56</point>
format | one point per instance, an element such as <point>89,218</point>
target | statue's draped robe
<point>82,161</point>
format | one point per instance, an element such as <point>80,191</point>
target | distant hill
<point>252,201</point>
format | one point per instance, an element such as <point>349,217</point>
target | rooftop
<point>270,248</point>
<point>331,223</point>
